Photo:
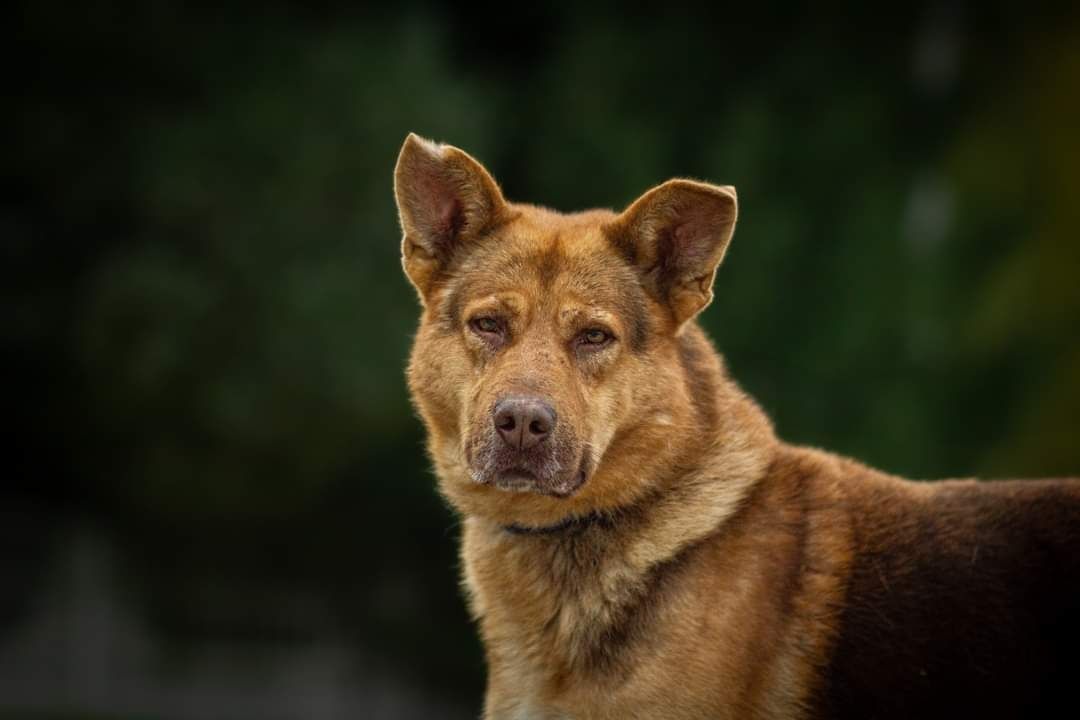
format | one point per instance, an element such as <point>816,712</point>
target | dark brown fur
<point>660,553</point>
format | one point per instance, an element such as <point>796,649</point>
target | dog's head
<point>551,363</point>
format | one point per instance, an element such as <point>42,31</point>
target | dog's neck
<point>547,580</point>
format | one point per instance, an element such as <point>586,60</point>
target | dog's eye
<point>486,325</point>
<point>595,336</point>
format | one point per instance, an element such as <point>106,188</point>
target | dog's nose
<point>523,423</point>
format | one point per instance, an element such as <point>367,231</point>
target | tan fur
<point>707,564</point>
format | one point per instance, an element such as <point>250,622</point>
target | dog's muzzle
<point>525,450</point>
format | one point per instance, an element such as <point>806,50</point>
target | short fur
<point>661,554</point>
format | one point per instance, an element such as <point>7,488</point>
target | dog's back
<point>963,598</point>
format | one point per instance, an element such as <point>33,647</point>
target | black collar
<point>570,523</point>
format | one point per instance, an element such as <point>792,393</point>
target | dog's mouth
<point>519,479</point>
<point>515,479</point>
<point>544,474</point>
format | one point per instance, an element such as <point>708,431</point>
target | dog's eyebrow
<point>636,313</point>
<point>629,302</point>
<point>451,312</point>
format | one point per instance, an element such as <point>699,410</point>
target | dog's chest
<point>568,639</point>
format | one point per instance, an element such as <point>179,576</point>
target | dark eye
<point>595,336</point>
<point>486,325</point>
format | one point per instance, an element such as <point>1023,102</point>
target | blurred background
<point>216,502</point>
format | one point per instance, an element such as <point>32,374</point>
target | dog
<point>636,540</point>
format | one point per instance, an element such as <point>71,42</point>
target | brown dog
<point>637,542</point>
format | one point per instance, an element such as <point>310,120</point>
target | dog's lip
<point>516,479</point>
<point>516,473</point>
<point>519,479</point>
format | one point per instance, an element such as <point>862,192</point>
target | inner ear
<point>447,221</point>
<point>675,235</point>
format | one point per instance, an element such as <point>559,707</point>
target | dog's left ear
<point>445,200</point>
<point>676,235</point>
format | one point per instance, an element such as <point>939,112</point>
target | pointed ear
<point>676,235</point>
<point>445,199</point>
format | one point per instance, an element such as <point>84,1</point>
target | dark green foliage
<point>207,323</point>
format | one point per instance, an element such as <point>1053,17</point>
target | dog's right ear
<point>445,200</point>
